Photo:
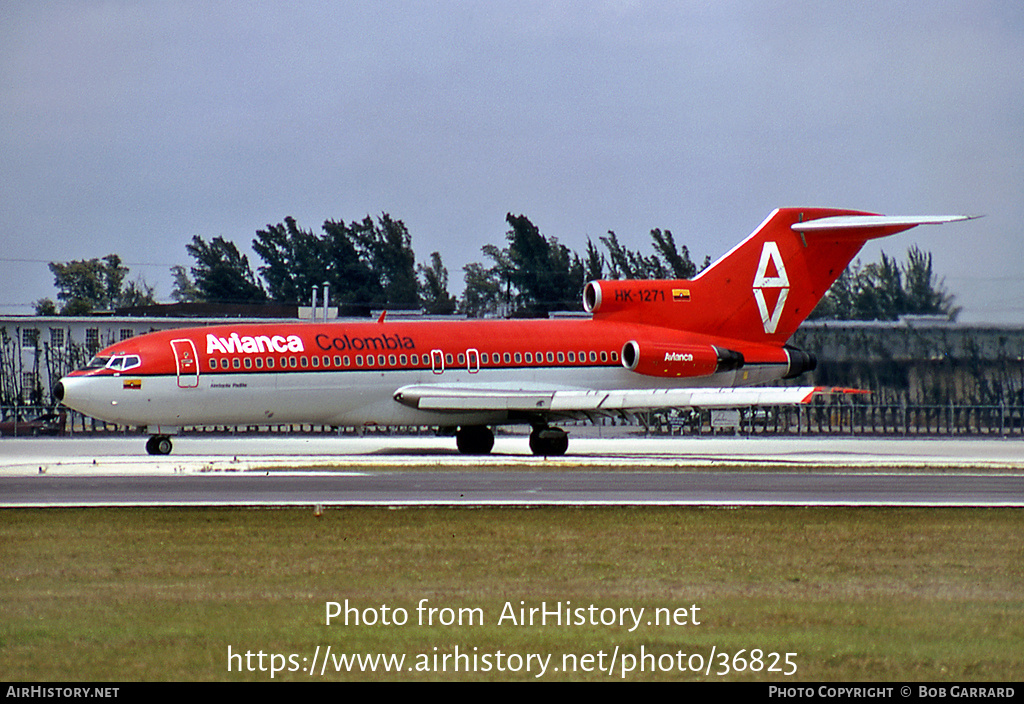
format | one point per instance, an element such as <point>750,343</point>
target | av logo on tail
<point>770,257</point>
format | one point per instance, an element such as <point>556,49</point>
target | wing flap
<point>456,398</point>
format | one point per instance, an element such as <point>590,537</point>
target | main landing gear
<point>545,440</point>
<point>159,445</point>
<point>479,440</point>
<point>474,440</point>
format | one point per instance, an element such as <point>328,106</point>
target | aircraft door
<point>187,363</point>
<point>437,361</point>
<point>472,360</point>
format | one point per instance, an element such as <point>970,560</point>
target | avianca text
<point>235,344</point>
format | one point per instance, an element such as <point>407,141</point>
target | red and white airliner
<point>649,344</point>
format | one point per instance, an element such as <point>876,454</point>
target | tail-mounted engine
<point>670,360</point>
<point>607,297</point>
<point>799,362</point>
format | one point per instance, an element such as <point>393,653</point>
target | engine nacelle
<point>799,362</point>
<point>613,296</point>
<point>670,360</point>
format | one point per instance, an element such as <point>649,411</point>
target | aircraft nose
<point>76,394</point>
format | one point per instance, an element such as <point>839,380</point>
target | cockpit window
<point>97,362</point>
<point>121,363</point>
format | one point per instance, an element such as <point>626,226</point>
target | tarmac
<point>193,454</point>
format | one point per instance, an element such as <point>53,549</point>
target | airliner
<point>709,342</point>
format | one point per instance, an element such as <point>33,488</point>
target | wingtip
<point>832,391</point>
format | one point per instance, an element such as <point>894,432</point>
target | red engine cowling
<point>678,360</point>
<point>609,297</point>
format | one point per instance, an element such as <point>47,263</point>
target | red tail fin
<point>764,287</point>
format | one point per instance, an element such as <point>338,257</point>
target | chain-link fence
<point>892,420</point>
<point>847,419</point>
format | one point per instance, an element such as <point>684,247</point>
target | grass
<point>857,594</point>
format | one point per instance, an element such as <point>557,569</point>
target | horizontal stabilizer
<point>856,222</point>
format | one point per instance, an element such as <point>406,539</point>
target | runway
<point>415,471</point>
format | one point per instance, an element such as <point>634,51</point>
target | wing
<point>461,398</point>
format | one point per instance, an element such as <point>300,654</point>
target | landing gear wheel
<point>474,440</point>
<point>159,445</point>
<point>549,441</point>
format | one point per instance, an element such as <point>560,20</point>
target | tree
<point>593,263</point>
<point>296,261</point>
<point>372,264</point>
<point>667,262</point>
<point>222,274</point>
<point>627,264</point>
<point>926,295</point>
<point>433,287</point>
<point>88,285</point>
<point>184,289</point>
<point>886,290</point>
<point>677,260</point>
<point>546,275</point>
<point>137,293</point>
<point>45,306</point>
<point>483,294</point>
<point>395,262</point>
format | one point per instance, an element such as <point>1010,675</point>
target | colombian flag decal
<point>680,294</point>
<point>133,383</point>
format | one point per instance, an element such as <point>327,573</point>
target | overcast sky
<point>129,127</point>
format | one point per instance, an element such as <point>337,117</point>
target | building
<point>921,360</point>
